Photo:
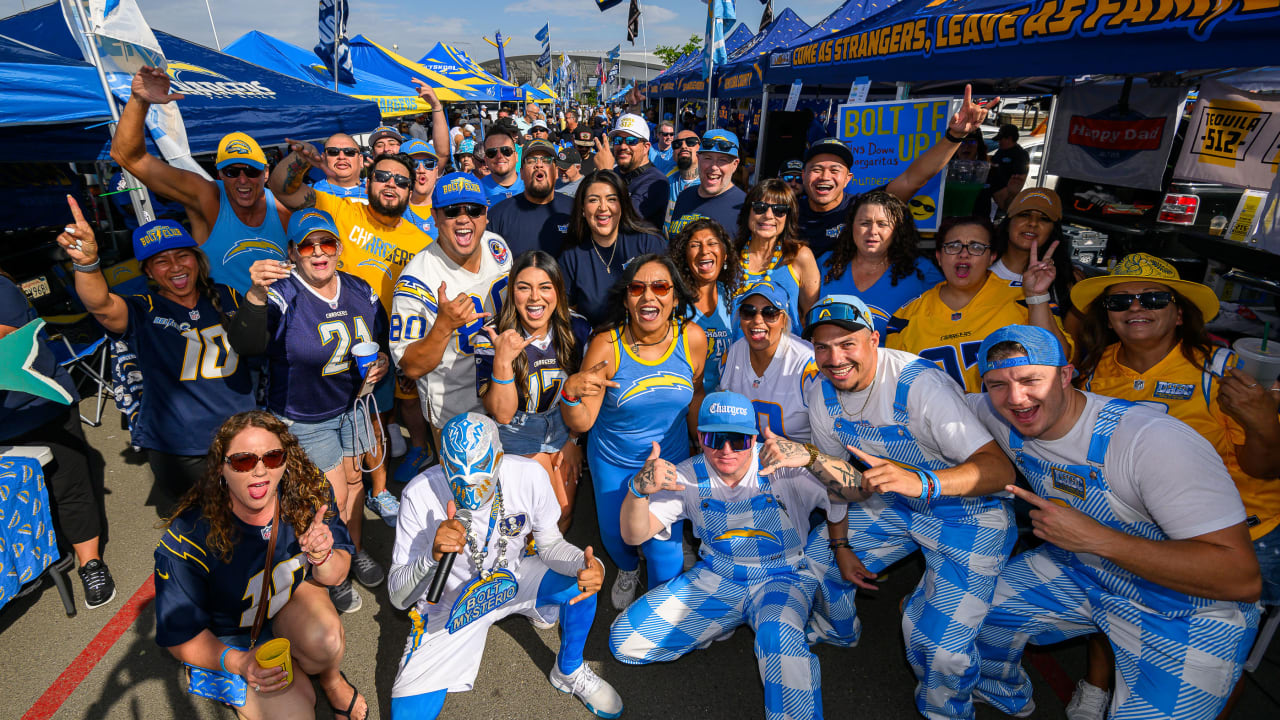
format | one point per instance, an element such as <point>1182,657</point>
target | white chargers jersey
<point>780,395</point>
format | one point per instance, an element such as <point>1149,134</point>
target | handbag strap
<point>267,590</point>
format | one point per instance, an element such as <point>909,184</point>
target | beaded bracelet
<point>571,402</point>
<point>325,560</point>
<point>501,382</point>
<point>843,543</point>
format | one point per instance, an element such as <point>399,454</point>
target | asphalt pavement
<point>104,663</point>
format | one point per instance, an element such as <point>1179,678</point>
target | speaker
<point>784,140</point>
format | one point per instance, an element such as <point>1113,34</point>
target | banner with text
<point>885,137</point>
<point>1233,138</point>
<point>1102,135</point>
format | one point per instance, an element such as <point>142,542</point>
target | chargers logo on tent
<point>186,78</point>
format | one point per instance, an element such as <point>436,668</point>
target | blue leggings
<point>575,623</point>
<point>665,557</point>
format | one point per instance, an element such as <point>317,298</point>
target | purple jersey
<point>546,377</point>
<point>312,375</point>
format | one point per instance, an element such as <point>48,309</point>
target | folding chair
<point>86,362</point>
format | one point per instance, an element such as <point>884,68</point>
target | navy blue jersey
<point>196,590</point>
<point>312,375</point>
<point>722,208</point>
<point>545,375</point>
<point>193,379</point>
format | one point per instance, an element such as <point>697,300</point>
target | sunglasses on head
<point>718,145</point>
<point>687,142</point>
<point>427,163</point>
<point>236,171</point>
<point>335,152</point>
<point>779,209</point>
<point>975,248</point>
<point>768,312</point>
<point>1120,302</point>
<point>385,176</point>
<point>661,288</point>
<point>328,247</point>
<point>629,140</point>
<point>506,150</point>
<point>246,461</point>
<point>471,209</point>
<point>736,441</point>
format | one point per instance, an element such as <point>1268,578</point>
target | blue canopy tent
<point>620,94</point>
<point>536,95</point>
<point>743,76</point>
<point>274,54</point>
<point>377,60</point>
<point>223,94</point>
<point>666,78</point>
<point>688,76</point>
<point>41,88</point>
<point>458,66</point>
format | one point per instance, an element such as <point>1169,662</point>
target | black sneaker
<point>366,570</point>
<point>345,598</point>
<point>99,588</point>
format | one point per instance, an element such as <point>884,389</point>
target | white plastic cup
<point>1264,366</point>
<point>365,353</point>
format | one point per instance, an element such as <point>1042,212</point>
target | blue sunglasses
<point>835,312</point>
<point>631,140</point>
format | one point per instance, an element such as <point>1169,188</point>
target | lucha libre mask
<point>470,453</point>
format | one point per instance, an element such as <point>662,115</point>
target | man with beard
<point>647,185</point>
<point>684,174</point>
<point>569,162</point>
<point>538,218</point>
<point>235,219</point>
<point>503,180</point>
<point>661,153</point>
<point>715,196</point>
<point>342,166</point>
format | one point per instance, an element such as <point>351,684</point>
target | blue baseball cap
<point>305,222</point>
<point>727,412</point>
<point>776,296</point>
<point>711,137</point>
<point>457,188</point>
<point>383,131</point>
<point>158,236</point>
<point>417,147</point>
<point>1042,348</point>
<point>847,311</point>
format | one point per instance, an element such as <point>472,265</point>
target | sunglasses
<point>335,152</point>
<point>246,461</point>
<point>687,142</point>
<point>662,134</point>
<point>768,312</point>
<point>234,172</point>
<point>425,163</point>
<point>790,178</point>
<point>629,140</point>
<point>779,209</point>
<point>717,440</point>
<point>328,247</point>
<point>975,248</point>
<point>385,176</point>
<point>1149,300</point>
<point>661,288</point>
<point>537,160</point>
<point>506,150</point>
<point>474,210</point>
<point>718,145</point>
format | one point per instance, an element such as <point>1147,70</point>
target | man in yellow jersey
<point>1149,347</point>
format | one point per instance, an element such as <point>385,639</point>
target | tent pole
<point>217,43</point>
<point>644,40</point>
<point>1048,133</point>
<point>337,31</point>
<point>764,111</point>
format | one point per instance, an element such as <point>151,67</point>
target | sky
<point>416,25</point>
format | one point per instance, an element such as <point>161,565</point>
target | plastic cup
<point>1264,366</point>
<point>365,354</point>
<point>275,653</point>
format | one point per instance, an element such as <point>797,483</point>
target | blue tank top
<point>233,246</point>
<point>650,403</point>
<point>719,327</point>
<point>425,222</point>
<point>357,191</point>
<point>785,277</point>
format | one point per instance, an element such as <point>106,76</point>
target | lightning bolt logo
<point>653,383</point>
<point>255,245</point>
<point>414,289</point>
<point>182,541</point>
<point>378,264</point>
<point>749,533</point>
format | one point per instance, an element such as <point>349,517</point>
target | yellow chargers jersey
<point>1190,394</point>
<point>928,327</point>
<point>371,251</point>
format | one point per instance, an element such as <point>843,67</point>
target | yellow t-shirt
<point>371,251</point>
<point>928,327</point>
<point>1182,390</point>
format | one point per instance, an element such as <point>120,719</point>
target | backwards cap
<point>1041,347</point>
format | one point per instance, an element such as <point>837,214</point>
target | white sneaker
<point>1088,702</point>
<point>623,592</point>
<point>398,446</point>
<point>598,695</point>
<point>538,617</point>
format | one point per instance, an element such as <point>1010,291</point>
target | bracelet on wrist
<point>570,401</point>
<point>842,543</point>
<point>321,562</point>
<point>953,138</point>
<point>91,267</point>
<point>1037,299</point>
<point>813,455</point>
<point>632,487</point>
<point>495,380</point>
<point>222,661</point>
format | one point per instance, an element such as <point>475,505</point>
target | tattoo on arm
<point>308,200</point>
<point>792,449</point>
<point>295,174</point>
<point>840,478</point>
<point>646,482</point>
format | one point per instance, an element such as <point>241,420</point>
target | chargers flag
<point>615,52</point>
<point>633,21</point>
<point>333,24</point>
<point>544,35</point>
<point>606,4</point>
<point>718,11</point>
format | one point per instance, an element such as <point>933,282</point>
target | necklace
<point>636,344</point>
<point>600,255</point>
<point>773,261</point>
<point>865,402</point>
<point>473,541</point>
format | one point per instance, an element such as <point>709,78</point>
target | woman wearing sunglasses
<point>876,258</point>
<point>314,316</point>
<point>769,248</point>
<point>947,323</point>
<point>210,566</point>
<point>1144,341</point>
<point>701,252</point>
<point>641,379</point>
<point>536,344</point>
<point>605,232</point>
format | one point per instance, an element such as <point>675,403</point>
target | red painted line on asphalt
<point>79,669</point>
<point>1059,681</point>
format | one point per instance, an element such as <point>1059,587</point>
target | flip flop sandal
<point>351,705</point>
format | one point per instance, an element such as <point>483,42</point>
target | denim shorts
<point>1268,549</point>
<point>530,433</point>
<point>328,441</point>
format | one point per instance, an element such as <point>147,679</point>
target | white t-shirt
<point>796,488</point>
<point>943,425</point>
<point>780,395</point>
<point>1156,465</point>
<point>450,388</point>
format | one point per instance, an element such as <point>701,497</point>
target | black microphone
<point>436,588</point>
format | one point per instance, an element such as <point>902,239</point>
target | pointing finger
<point>319,516</point>
<point>871,460</point>
<point>1030,497</point>
<point>75,209</point>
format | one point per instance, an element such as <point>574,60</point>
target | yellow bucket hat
<point>1141,266</point>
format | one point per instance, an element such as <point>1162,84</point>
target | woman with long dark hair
<point>877,258</point>
<point>536,344</point>
<point>640,380</point>
<point>1035,219</point>
<point>701,252</point>
<point>605,231</point>
<point>212,560</point>
<point>769,249</point>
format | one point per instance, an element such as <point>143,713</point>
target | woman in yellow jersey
<point>1144,341</point>
<point>947,323</point>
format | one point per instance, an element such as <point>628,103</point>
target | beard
<point>684,163</point>
<point>376,204</point>
<point>540,192</point>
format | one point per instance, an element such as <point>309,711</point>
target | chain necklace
<point>865,402</point>
<point>600,255</point>
<point>473,541</point>
<point>773,261</point>
<point>636,344</point>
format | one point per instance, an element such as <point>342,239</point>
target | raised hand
<point>262,275</point>
<point>451,536</point>
<point>77,239</point>
<point>589,382</point>
<point>604,154</point>
<point>779,452</point>
<point>590,577</point>
<point>151,85</point>
<point>507,346</point>
<point>317,541</point>
<point>657,474</point>
<point>458,312</point>
<point>307,151</point>
<point>883,476</point>
<point>1063,525</point>
<point>970,115</point>
<point>1040,272</point>
<point>427,93</point>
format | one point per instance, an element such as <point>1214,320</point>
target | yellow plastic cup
<point>275,653</point>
